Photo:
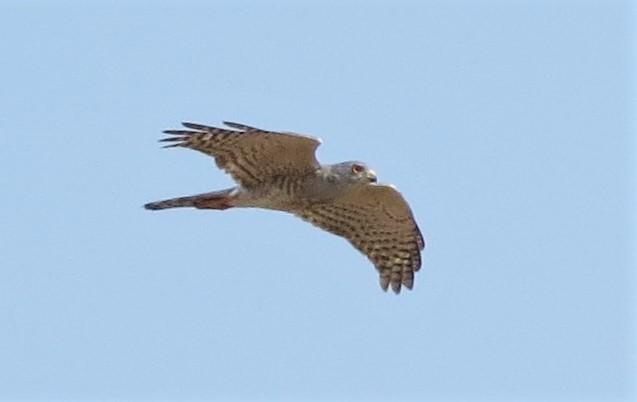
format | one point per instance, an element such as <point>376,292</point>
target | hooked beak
<point>371,175</point>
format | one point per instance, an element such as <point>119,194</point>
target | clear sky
<point>507,125</point>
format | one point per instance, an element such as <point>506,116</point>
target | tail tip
<point>152,206</point>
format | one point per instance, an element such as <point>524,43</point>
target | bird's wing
<point>377,220</point>
<point>250,155</point>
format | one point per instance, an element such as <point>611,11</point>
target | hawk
<point>279,171</point>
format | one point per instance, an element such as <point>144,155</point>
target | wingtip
<point>171,146</point>
<point>387,283</point>
<point>239,126</point>
<point>194,126</point>
<point>178,141</point>
<point>171,139</point>
<point>384,283</point>
<point>177,132</point>
<point>395,287</point>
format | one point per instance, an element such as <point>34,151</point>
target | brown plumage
<point>279,171</point>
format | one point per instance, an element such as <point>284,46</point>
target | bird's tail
<point>215,200</point>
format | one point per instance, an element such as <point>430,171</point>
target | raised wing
<point>250,155</point>
<point>377,220</point>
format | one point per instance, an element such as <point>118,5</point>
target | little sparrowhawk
<point>279,171</point>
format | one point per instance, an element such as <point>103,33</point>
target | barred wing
<point>250,155</point>
<point>377,221</point>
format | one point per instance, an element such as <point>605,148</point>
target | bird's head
<point>355,172</point>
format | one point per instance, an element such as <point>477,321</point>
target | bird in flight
<point>279,171</point>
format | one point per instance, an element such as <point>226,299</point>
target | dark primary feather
<point>239,126</point>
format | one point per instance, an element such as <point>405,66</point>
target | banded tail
<point>215,200</point>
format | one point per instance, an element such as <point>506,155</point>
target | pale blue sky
<point>507,125</point>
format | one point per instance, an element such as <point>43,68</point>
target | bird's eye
<point>356,168</point>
